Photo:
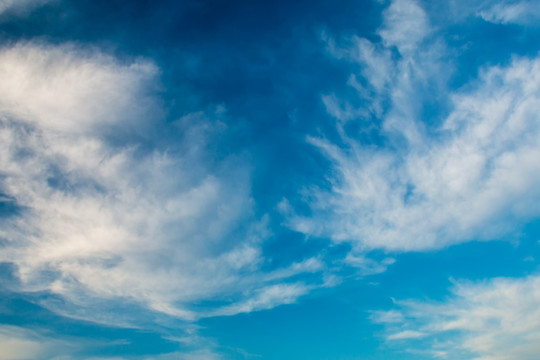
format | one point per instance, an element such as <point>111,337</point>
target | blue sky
<point>207,180</point>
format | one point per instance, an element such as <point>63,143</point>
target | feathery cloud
<point>469,175</point>
<point>494,320</point>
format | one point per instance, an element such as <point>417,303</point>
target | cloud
<point>460,174</point>
<point>19,343</point>
<point>512,12</point>
<point>267,298</point>
<point>517,12</point>
<point>20,6</point>
<point>406,334</point>
<point>23,344</point>
<point>494,320</point>
<point>405,25</point>
<point>112,215</point>
<point>366,265</point>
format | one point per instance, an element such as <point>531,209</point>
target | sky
<point>231,180</point>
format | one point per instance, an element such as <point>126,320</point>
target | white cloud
<point>405,25</point>
<point>68,90</point>
<point>20,6</point>
<point>109,216</point>
<point>471,175</point>
<point>266,298</point>
<point>23,344</point>
<point>366,265</point>
<point>377,62</point>
<point>517,12</point>
<point>406,334</point>
<point>495,320</point>
<point>18,343</point>
<point>378,70</point>
<point>520,12</point>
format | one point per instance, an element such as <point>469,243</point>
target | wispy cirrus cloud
<point>267,298</point>
<point>109,217</point>
<point>511,12</point>
<point>493,320</point>
<point>434,179</point>
<point>517,12</point>
<point>20,6</point>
